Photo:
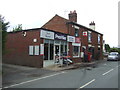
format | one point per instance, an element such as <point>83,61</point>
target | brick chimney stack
<point>92,25</point>
<point>73,16</point>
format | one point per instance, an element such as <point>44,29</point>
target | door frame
<point>55,50</point>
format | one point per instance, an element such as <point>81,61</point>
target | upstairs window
<point>89,37</point>
<point>98,38</point>
<point>76,32</point>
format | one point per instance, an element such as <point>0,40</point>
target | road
<point>104,75</point>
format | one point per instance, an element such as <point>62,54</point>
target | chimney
<point>92,25</point>
<point>73,16</point>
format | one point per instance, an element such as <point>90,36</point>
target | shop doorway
<point>53,48</point>
<point>57,51</point>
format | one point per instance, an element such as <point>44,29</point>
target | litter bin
<point>89,56</point>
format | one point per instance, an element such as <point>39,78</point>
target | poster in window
<point>41,49</point>
<point>36,50</point>
<point>31,50</point>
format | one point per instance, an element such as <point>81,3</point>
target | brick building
<point>38,47</point>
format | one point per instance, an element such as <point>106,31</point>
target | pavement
<point>74,66</point>
<point>13,74</point>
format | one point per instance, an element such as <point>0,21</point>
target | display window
<point>53,48</point>
<point>76,49</point>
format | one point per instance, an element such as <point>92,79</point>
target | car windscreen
<point>113,54</point>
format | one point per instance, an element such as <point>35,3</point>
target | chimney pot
<point>92,25</point>
<point>74,11</point>
<point>73,16</point>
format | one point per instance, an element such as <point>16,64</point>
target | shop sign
<point>89,45</point>
<point>60,36</point>
<point>77,40</point>
<point>76,44</point>
<point>47,34</point>
<point>70,38</point>
<point>85,33</point>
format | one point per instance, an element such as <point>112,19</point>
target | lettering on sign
<point>59,36</point>
<point>47,34</point>
<point>77,40</point>
<point>71,38</point>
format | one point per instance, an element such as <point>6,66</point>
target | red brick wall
<point>17,46</point>
<point>57,24</point>
<point>17,49</point>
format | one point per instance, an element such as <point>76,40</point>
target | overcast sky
<point>35,13</point>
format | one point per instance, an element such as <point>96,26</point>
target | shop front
<point>55,44</point>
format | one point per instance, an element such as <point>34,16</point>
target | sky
<point>35,13</point>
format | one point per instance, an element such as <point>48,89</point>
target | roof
<point>83,27</point>
<point>32,29</point>
<point>67,22</point>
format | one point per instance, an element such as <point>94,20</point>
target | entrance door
<point>57,51</point>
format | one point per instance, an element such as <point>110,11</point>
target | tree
<point>18,28</point>
<point>4,26</point>
<point>107,47</point>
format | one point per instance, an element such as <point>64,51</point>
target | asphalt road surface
<point>104,75</point>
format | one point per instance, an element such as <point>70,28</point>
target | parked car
<point>113,56</point>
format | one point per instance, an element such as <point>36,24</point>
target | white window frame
<point>89,36</point>
<point>77,32</point>
<point>36,50</point>
<point>78,45</point>
<point>99,38</point>
<point>31,50</point>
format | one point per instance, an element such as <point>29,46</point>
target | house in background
<point>38,47</point>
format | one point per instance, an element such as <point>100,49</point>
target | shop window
<point>76,32</point>
<point>63,47</point>
<point>57,42</point>
<point>46,51</point>
<point>51,51</point>
<point>89,37</point>
<point>66,49</point>
<point>62,50</point>
<point>76,50</point>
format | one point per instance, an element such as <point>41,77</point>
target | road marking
<point>107,72</point>
<point>33,80</point>
<point>87,83</point>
